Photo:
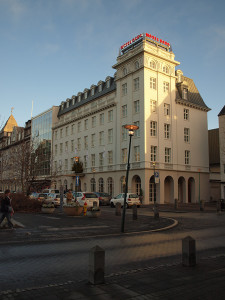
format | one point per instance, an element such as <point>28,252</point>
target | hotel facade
<point>172,140</point>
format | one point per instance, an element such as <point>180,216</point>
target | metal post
<point>199,189</point>
<point>126,187</point>
<point>154,185</point>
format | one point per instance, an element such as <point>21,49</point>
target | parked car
<point>53,198</point>
<point>87,197</point>
<point>34,195</point>
<point>42,197</point>
<point>104,198</point>
<point>50,191</point>
<point>131,200</point>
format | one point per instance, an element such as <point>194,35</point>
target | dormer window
<point>185,93</point>
<point>73,100</point>
<point>125,71</point>
<point>108,83</point>
<point>67,103</point>
<point>79,97</point>
<point>62,105</point>
<point>136,65</point>
<point>100,88</point>
<point>92,91</point>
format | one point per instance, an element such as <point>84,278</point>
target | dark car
<point>104,198</point>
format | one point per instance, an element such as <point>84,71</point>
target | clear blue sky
<point>53,49</point>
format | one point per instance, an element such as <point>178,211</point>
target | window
<point>61,148</point>
<point>166,131</point>
<point>71,162</point>
<point>72,128</point>
<point>67,130</point>
<point>137,153</point>
<point>61,133</point>
<point>66,146</point>
<point>153,128</point>
<point>137,106</point>
<point>124,156</point>
<point>108,84</point>
<point>101,159</point>
<point>101,119</point>
<point>56,134</point>
<point>137,132</point>
<point>85,161</point>
<point>187,157</point>
<point>136,84</point>
<point>136,65</point>
<point>152,64</point>
<point>93,121</point>
<point>186,114</point>
<point>93,140</point>
<point>66,164</point>
<point>85,95</point>
<point>93,160</point>
<point>55,163</point>
<point>124,133</point>
<point>79,144</point>
<point>185,94</point>
<point>56,149</point>
<point>110,115</point>
<point>124,111</point>
<point>110,136</point>
<point>79,126</point>
<point>167,155</point>
<point>110,157</point>
<point>186,135</point>
<point>166,109</point>
<point>153,153</point>
<point>165,69</point>
<point>101,138</point>
<point>124,89</point>
<point>86,143</point>
<point>153,106</point>
<point>79,98</point>
<point>92,91</point>
<point>100,87</point>
<point>101,185</point>
<point>125,71</point>
<point>86,124</point>
<point>153,83</point>
<point>166,86</point>
<point>93,185</point>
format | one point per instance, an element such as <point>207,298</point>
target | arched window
<point>110,186</point>
<point>93,185</point>
<point>136,65</point>
<point>101,185</point>
<point>122,184</point>
<point>152,190</point>
<point>152,64</point>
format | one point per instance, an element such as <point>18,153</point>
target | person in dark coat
<point>6,209</point>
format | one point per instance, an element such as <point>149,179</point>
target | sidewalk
<point>171,281</point>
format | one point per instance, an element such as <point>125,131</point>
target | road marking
<point>76,227</point>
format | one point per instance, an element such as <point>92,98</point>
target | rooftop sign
<point>140,37</point>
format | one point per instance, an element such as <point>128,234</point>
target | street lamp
<point>131,129</point>
<point>154,183</point>
<point>76,160</point>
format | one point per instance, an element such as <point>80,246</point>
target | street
<point>43,263</point>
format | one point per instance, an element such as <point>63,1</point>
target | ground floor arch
<point>181,190</point>
<point>191,190</point>
<point>168,190</point>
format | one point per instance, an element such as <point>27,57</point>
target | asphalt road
<point>43,263</point>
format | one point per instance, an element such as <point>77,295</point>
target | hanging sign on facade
<point>156,175</point>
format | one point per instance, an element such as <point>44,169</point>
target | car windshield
<point>43,195</point>
<point>133,196</point>
<point>90,195</point>
<point>103,194</point>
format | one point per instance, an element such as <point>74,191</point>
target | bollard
<point>96,265</point>
<point>175,203</point>
<point>188,252</point>
<point>202,205</point>
<point>118,209</point>
<point>134,212</point>
<point>95,204</point>
<point>156,212</point>
<point>85,208</point>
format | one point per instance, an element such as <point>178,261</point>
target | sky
<point>53,49</point>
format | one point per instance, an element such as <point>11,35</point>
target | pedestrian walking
<point>69,196</point>
<point>6,209</point>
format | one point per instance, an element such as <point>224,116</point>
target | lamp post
<point>76,160</point>
<point>154,183</point>
<point>131,129</point>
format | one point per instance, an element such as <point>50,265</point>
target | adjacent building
<point>171,142</point>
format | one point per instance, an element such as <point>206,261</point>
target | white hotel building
<point>172,137</point>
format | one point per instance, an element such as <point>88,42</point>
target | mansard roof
<point>222,112</point>
<point>75,104</point>
<point>193,97</point>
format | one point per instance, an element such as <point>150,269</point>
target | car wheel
<point>138,206</point>
<point>112,205</point>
